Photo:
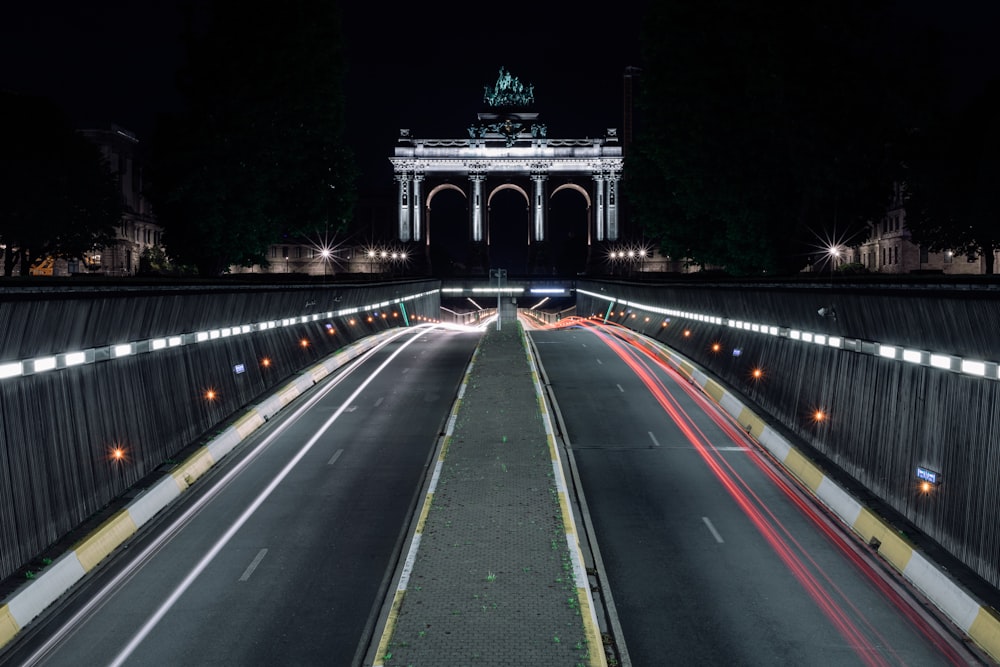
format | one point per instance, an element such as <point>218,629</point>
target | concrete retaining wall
<point>884,416</point>
<point>83,372</point>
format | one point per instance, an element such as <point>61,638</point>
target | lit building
<point>890,249</point>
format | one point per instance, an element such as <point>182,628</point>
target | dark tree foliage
<point>766,130</point>
<point>259,153</point>
<point>951,177</point>
<point>59,196</point>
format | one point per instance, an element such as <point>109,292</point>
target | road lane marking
<point>620,388</point>
<point>214,550</point>
<point>253,564</point>
<point>715,533</point>
<point>334,458</point>
<point>379,401</point>
<point>653,438</point>
<point>600,362</point>
<point>351,408</point>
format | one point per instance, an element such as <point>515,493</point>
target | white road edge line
<point>715,533</point>
<point>143,632</point>
<point>253,565</point>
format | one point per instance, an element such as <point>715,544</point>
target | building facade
<point>137,230</point>
<point>890,248</point>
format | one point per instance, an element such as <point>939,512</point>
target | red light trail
<point>833,602</point>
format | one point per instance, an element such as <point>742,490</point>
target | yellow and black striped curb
<point>978,621</point>
<point>31,599</point>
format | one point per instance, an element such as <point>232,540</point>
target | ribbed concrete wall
<point>57,427</point>
<point>885,416</point>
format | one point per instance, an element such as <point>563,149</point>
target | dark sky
<point>420,66</point>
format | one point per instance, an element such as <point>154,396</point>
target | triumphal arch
<point>507,148</point>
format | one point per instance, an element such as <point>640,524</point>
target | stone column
<point>403,204</point>
<point>538,205</point>
<point>418,206</point>
<point>612,197</point>
<point>476,205</point>
<point>599,206</point>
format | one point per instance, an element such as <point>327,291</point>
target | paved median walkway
<point>494,574</point>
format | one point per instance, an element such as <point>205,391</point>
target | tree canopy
<point>59,196</point>
<point>258,154</point>
<point>951,175</point>
<point>766,130</point>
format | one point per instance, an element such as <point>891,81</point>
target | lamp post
<point>501,275</point>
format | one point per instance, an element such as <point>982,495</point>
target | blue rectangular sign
<point>239,368</point>
<point>929,476</point>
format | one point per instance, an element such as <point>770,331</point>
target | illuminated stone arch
<point>573,186</point>
<point>508,148</point>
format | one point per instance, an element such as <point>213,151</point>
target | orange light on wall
<point>819,416</point>
<point>352,321</point>
<point>687,333</point>
<point>370,319</point>
<point>716,347</point>
<point>304,343</point>
<point>757,374</point>
<point>265,362</point>
<point>331,331</point>
<point>116,453</point>
<point>210,395</point>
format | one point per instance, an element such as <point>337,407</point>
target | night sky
<point>420,66</point>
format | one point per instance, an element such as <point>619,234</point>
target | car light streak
<point>735,433</point>
<point>817,583</point>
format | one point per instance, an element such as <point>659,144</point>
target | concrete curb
<point>30,600</point>
<point>588,610</point>
<point>978,621</point>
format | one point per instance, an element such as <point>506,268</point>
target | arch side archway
<point>427,206</point>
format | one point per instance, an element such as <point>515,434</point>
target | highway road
<point>282,554</point>
<point>712,556</point>
<point>279,556</point>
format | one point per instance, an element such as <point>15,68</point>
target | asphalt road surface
<point>712,557</point>
<point>279,556</point>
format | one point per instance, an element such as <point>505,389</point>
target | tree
<point>950,178</point>
<point>60,199</point>
<point>765,130</point>
<point>258,154</point>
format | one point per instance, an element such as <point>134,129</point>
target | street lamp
<point>501,275</point>
<point>326,259</point>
